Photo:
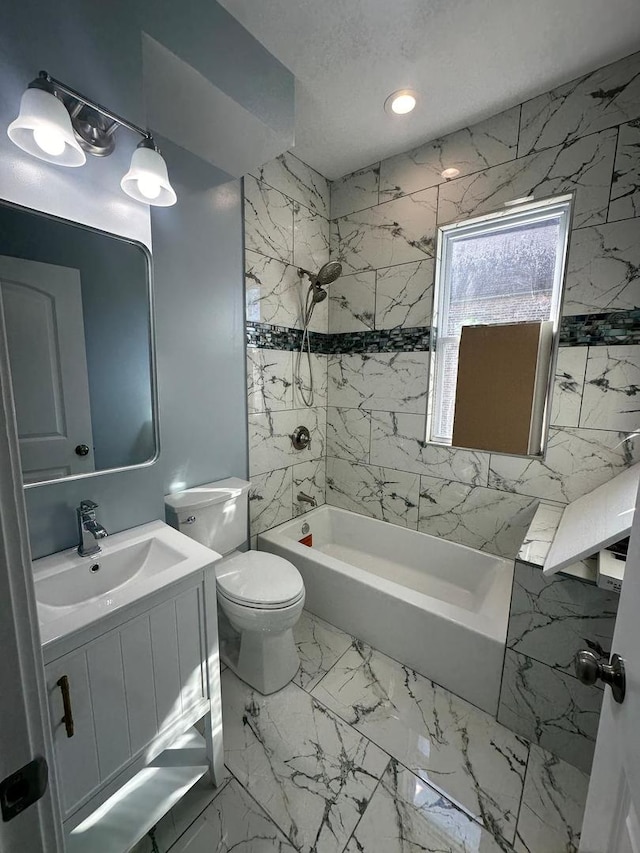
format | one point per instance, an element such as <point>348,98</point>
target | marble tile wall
<point>286,227</point>
<point>550,620</point>
<point>582,137</point>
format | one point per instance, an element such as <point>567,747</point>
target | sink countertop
<point>62,572</point>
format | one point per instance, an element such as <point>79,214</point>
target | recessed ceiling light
<point>401,102</point>
<point>450,173</point>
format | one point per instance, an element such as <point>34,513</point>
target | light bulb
<point>149,186</point>
<point>49,140</point>
<point>403,104</point>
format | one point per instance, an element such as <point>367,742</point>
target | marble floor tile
<point>552,805</point>
<point>406,815</point>
<point>553,618</point>
<point>625,187</point>
<point>355,191</point>
<point>604,98</point>
<point>584,166</point>
<point>311,773</point>
<point>456,748</point>
<point>352,300</point>
<point>391,382</point>
<point>568,386</point>
<point>550,708</point>
<point>319,645</point>
<point>348,434</point>
<point>612,389</point>
<point>269,380</point>
<point>395,232</point>
<point>382,493</point>
<point>310,238</point>
<point>471,149</point>
<point>398,441</point>
<point>309,478</point>
<point>482,518</point>
<point>603,269</point>
<point>295,179</point>
<point>404,295</point>
<point>576,461</point>
<point>268,221</point>
<point>270,499</point>
<point>274,292</point>
<point>234,823</point>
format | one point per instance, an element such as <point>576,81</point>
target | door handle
<point>589,670</point>
<point>67,719</point>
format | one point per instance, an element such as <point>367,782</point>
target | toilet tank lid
<point>207,494</point>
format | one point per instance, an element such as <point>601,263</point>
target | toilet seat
<point>259,580</point>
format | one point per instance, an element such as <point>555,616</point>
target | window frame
<point>512,213</point>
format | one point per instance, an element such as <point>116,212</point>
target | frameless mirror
<point>77,314</point>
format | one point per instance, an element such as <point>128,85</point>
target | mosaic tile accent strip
<point>618,327</point>
<point>266,336</point>
<point>601,330</point>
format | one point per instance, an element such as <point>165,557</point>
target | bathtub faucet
<point>307,499</point>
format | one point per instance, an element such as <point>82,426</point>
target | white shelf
<point>594,521</point>
<point>123,820</point>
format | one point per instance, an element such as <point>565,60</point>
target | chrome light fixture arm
<point>75,102</point>
<point>58,124</point>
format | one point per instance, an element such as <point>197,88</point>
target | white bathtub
<point>440,608</point>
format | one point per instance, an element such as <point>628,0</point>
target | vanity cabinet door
<point>143,680</point>
<point>76,755</point>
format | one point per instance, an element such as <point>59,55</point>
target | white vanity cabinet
<point>130,647</point>
<point>125,689</point>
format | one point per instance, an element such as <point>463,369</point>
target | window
<point>506,267</point>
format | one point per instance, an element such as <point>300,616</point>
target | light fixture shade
<point>43,116</point>
<point>147,179</point>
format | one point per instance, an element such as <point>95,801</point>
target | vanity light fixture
<point>401,102</point>
<point>448,174</point>
<point>58,124</point>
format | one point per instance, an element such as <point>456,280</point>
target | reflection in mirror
<point>76,307</point>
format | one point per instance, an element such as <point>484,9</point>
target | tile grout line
<point>260,806</point>
<point>216,792</point>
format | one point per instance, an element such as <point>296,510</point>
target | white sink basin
<point>74,591</point>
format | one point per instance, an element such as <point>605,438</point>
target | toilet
<point>260,595</point>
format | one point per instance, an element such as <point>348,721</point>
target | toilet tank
<point>215,514</point>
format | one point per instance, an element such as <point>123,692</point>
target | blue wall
<point>196,245</point>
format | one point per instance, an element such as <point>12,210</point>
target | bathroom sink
<point>74,591</point>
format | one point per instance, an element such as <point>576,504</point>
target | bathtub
<point>440,608</point>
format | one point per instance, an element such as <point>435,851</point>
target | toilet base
<point>265,661</point>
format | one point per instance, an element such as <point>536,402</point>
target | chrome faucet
<point>307,499</point>
<point>89,530</point>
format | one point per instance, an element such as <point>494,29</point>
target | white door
<point>42,306</point>
<point>24,733</point>
<point>612,816</point>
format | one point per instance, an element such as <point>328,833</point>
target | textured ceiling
<point>468,59</point>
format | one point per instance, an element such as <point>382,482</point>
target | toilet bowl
<point>260,595</point>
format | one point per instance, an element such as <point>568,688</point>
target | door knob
<point>589,670</point>
<point>82,450</point>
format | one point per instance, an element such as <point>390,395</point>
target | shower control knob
<point>301,438</point>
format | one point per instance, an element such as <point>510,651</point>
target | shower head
<point>328,272</point>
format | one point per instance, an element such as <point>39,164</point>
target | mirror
<point>76,308</point>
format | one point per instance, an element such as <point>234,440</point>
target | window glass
<point>503,268</point>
